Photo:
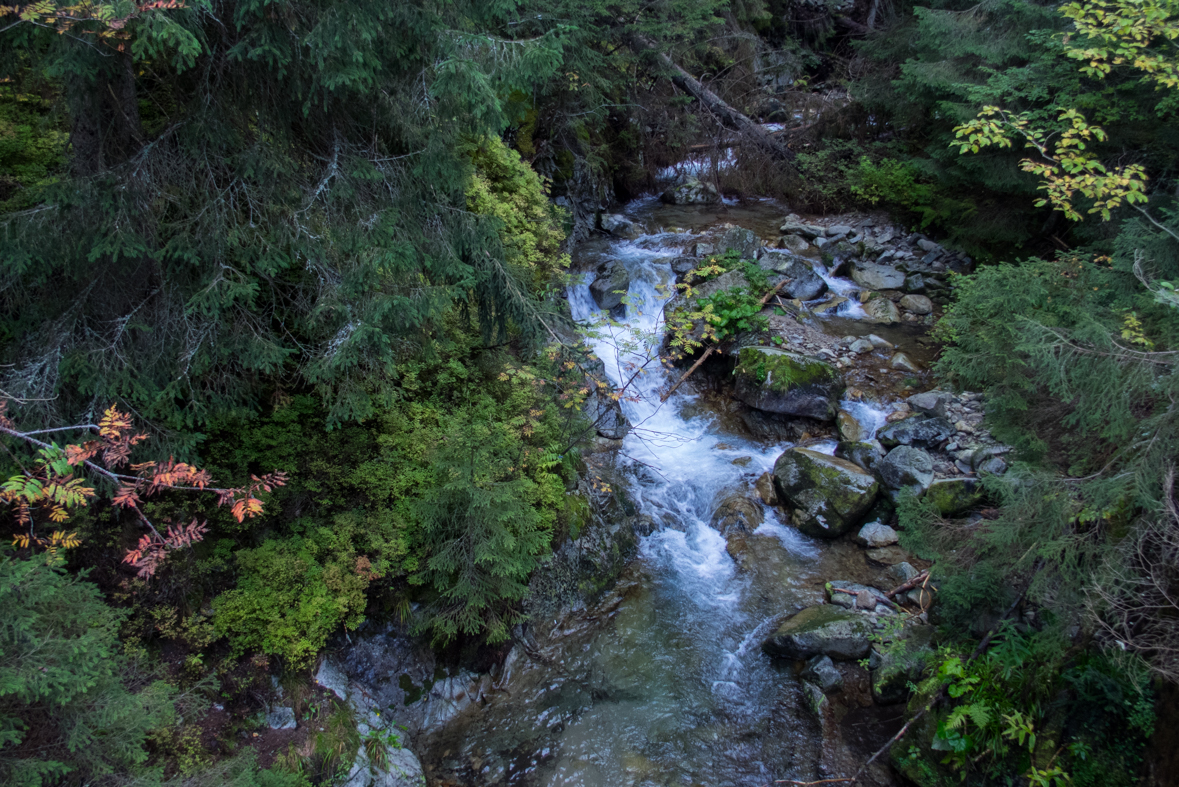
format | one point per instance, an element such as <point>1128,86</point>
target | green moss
<point>784,370</point>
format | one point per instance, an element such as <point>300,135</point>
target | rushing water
<point>663,682</point>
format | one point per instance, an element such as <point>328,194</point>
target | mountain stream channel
<point>658,677</point>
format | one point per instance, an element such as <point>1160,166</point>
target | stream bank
<point>709,625</point>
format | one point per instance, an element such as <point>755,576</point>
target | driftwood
<point>912,583</point>
<point>748,128</point>
<point>710,350</point>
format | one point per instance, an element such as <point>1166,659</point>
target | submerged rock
<point>779,381</point>
<point>737,513</point>
<point>829,496</point>
<point>902,362</point>
<point>825,630</point>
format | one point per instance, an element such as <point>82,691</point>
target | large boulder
<point>872,276</point>
<point>794,243</point>
<point>606,415</point>
<point>690,191</point>
<point>829,496</point>
<point>740,240</point>
<point>825,630</point>
<point>918,430</point>
<point>609,288</point>
<point>906,467</point>
<point>804,283</point>
<point>784,382</point>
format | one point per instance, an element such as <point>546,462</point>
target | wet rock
<point>826,630</point>
<point>953,496</point>
<point>740,240</point>
<point>784,382</point>
<point>919,430</point>
<point>765,489</point>
<point>876,534</point>
<point>879,342</point>
<point>814,699</point>
<point>829,306</point>
<point>605,413</point>
<point>901,573</point>
<point>821,671</point>
<point>848,594</point>
<point>872,276</point>
<point>794,243</point>
<point>793,225</point>
<point>690,191</point>
<point>681,265</point>
<point>862,454</point>
<point>703,249</point>
<point>620,226</point>
<point>609,288</point>
<point>930,402</point>
<point>904,363</point>
<point>917,304</point>
<point>829,495</point>
<point>737,514</point>
<point>906,467</point>
<point>881,310</point>
<point>887,556</point>
<point>804,283</point>
<point>861,346</point>
<point>901,664</point>
<point>849,428</point>
<point>281,719</point>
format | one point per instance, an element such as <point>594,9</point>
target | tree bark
<point>715,104</point>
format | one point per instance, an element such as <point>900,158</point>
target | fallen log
<point>727,114</point>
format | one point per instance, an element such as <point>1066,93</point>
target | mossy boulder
<point>829,496</point>
<point>881,310</point>
<point>788,383</point>
<point>740,240</point>
<point>952,496</point>
<point>825,630</point>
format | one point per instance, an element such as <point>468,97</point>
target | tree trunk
<point>715,104</point>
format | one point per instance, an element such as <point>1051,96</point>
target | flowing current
<point>664,683</point>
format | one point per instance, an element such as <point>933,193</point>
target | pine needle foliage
<point>65,714</point>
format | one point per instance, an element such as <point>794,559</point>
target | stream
<point>662,680</point>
